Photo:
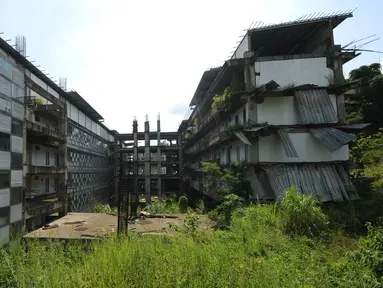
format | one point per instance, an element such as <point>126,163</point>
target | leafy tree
<point>366,105</point>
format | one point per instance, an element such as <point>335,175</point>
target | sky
<point>132,58</point>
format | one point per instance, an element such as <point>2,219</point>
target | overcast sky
<point>129,58</point>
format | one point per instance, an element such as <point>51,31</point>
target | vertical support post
<point>135,195</point>
<point>147,163</point>
<point>180,162</point>
<point>62,159</point>
<point>159,158</point>
<point>115,168</point>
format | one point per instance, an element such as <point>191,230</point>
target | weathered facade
<point>54,154</point>
<point>278,105</point>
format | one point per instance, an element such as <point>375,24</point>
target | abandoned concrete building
<point>54,154</point>
<point>150,169</point>
<point>278,105</point>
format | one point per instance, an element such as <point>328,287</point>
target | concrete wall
<point>39,156</point>
<point>294,71</point>
<point>281,110</point>
<point>242,48</point>
<point>44,184</point>
<point>308,148</point>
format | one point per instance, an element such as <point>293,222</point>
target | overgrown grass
<point>163,207</point>
<point>104,208</point>
<point>255,251</point>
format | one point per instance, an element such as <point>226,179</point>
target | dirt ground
<point>93,225</point>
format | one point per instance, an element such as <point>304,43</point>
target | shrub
<point>222,214</point>
<point>157,207</point>
<point>183,204</point>
<point>104,208</point>
<point>300,214</point>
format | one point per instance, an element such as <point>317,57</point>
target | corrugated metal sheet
<point>320,180</point>
<point>242,137</point>
<point>5,197</point>
<point>287,144</point>
<point>353,127</point>
<point>5,160</point>
<point>17,110</point>
<point>5,86</point>
<point>259,192</point>
<point>17,144</point>
<point>332,138</point>
<point>5,123</point>
<point>16,178</point>
<point>315,107</point>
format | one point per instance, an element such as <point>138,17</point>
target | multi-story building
<point>151,169</point>
<point>278,105</point>
<point>54,154</point>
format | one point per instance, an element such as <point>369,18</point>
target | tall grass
<point>255,251</point>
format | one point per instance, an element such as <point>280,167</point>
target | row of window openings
<point>236,119</point>
<point>153,157</point>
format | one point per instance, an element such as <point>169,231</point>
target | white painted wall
<point>16,178</point>
<point>294,71</point>
<point>242,48</point>
<point>308,148</point>
<point>39,156</point>
<point>281,110</point>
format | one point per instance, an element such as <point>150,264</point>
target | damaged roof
<point>204,85</point>
<point>267,40</point>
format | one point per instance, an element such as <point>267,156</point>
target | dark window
<point>57,185</point>
<point>230,119</point>
<point>236,119</point>
<point>4,216</point>
<point>244,115</point>
<point>15,229</point>
<point>16,195</point>
<point>5,177</point>
<point>16,161</point>
<point>5,142</point>
<point>47,158</point>
<point>17,128</point>
<point>37,118</point>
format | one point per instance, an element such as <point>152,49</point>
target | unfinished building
<point>147,163</point>
<point>277,105</point>
<point>54,154</point>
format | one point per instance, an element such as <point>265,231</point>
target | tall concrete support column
<point>62,160</point>
<point>135,159</point>
<point>115,169</point>
<point>180,163</point>
<point>147,162</point>
<point>159,158</point>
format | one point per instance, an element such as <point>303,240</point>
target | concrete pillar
<point>159,158</point>
<point>135,159</point>
<point>180,163</point>
<point>147,162</point>
<point>115,169</point>
<point>62,161</point>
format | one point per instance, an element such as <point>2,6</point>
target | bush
<point>222,214</point>
<point>158,207</point>
<point>183,204</point>
<point>301,215</point>
<point>104,208</point>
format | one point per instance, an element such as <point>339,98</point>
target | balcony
<point>209,142</point>
<point>39,130</point>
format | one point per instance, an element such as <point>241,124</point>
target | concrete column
<point>180,163</point>
<point>115,169</point>
<point>147,162</point>
<point>62,161</point>
<point>135,159</point>
<point>159,158</point>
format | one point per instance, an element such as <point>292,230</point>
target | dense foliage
<point>255,251</point>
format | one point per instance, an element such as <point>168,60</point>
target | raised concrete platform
<point>78,226</point>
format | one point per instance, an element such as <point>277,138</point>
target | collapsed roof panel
<point>325,181</point>
<point>332,138</point>
<point>315,107</point>
<point>287,144</point>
